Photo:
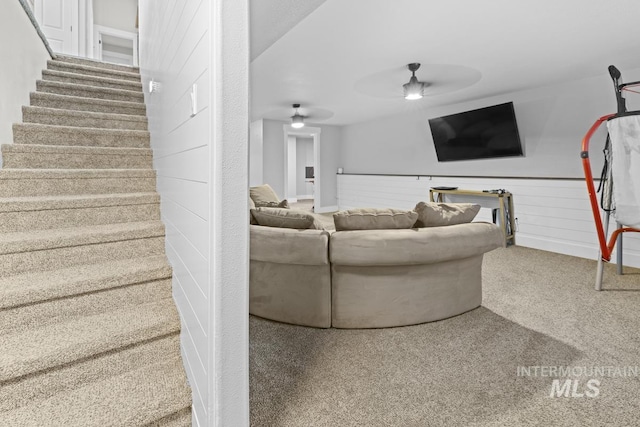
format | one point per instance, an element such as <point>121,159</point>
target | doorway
<point>302,173</point>
<point>116,46</point>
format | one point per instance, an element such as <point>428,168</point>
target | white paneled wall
<point>552,214</point>
<point>202,179</point>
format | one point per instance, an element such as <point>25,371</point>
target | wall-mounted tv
<point>478,134</point>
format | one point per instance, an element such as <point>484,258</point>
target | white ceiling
<point>340,45</point>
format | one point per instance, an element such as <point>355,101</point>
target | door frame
<point>307,131</point>
<point>100,30</point>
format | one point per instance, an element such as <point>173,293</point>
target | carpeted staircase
<point>89,333</point>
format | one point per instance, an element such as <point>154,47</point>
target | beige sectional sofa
<point>368,278</point>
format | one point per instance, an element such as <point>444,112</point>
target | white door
<point>58,20</point>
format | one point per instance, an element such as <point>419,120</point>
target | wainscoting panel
<point>552,214</point>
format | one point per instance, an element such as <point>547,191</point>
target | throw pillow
<point>438,214</point>
<point>263,194</point>
<point>283,204</point>
<point>285,218</point>
<point>252,206</point>
<point>374,219</point>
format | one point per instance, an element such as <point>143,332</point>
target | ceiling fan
<point>299,115</point>
<point>430,80</point>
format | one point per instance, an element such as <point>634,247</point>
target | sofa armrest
<point>289,246</point>
<point>415,246</point>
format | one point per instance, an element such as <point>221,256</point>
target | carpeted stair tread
<point>74,173</point>
<point>21,204</point>
<point>33,389</point>
<point>60,117</point>
<point>51,212</point>
<point>35,133</point>
<point>79,103</point>
<point>97,64</point>
<point>89,80</point>
<point>50,182</point>
<point>73,89</point>
<point>72,149</point>
<point>38,240</point>
<point>24,156</point>
<point>92,71</point>
<point>137,398</point>
<point>60,310</point>
<point>38,349</point>
<point>177,419</point>
<point>34,156</point>
<point>30,288</point>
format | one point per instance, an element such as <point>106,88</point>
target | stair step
<point>44,250</point>
<point>57,117</point>
<point>91,70</point>
<point>33,133</point>
<point>38,349</point>
<point>141,397</point>
<point>78,103</point>
<point>22,156</point>
<point>73,89</point>
<point>95,81</point>
<point>41,213</point>
<point>98,64</point>
<point>58,182</point>
<point>94,303</point>
<point>32,288</point>
<point>32,390</point>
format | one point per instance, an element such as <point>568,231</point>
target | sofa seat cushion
<point>415,246</point>
<point>263,194</point>
<point>286,218</point>
<point>432,214</point>
<point>374,219</point>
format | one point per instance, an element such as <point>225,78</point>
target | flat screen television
<point>478,134</point>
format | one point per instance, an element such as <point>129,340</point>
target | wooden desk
<point>504,205</point>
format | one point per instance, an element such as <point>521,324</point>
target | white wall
<point>273,160</point>
<point>118,14</point>
<point>551,121</point>
<point>202,169</point>
<point>256,176</point>
<point>23,56</point>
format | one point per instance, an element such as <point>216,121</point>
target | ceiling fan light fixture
<point>414,89</point>
<point>297,121</point>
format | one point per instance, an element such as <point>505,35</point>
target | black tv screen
<point>477,134</point>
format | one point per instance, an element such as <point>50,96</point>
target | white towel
<point>625,150</point>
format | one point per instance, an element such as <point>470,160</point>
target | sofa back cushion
<point>285,218</point>
<point>439,214</point>
<point>374,219</point>
<point>263,194</point>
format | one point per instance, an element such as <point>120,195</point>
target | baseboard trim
<point>573,249</point>
<point>305,196</point>
<point>292,200</point>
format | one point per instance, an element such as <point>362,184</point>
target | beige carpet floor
<point>539,309</point>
